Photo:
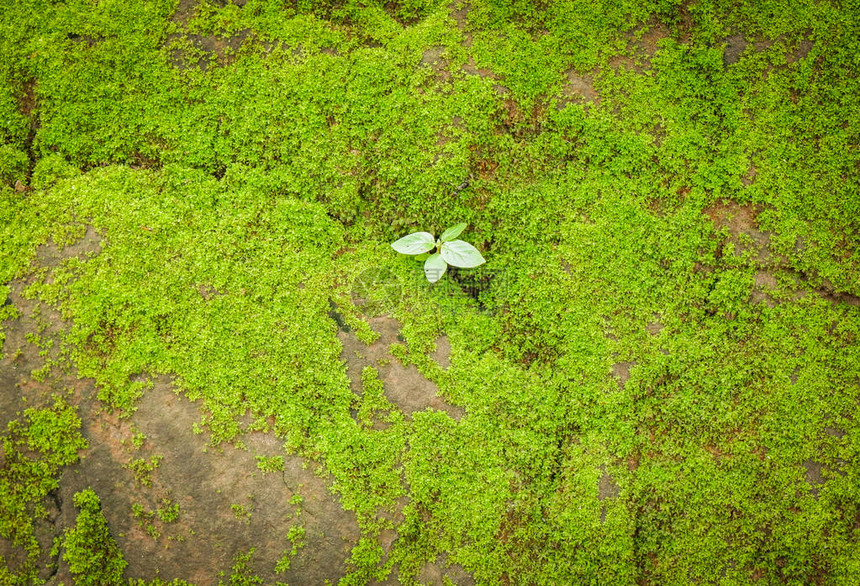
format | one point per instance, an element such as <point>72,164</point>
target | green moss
<point>241,512</point>
<point>91,552</point>
<point>296,536</point>
<point>13,166</point>
<point>670,293</point>
<point>138,439</point>
<point>35,449</point>
<point>142,469</point>
<point>159,582</point>
<point>373,401</point>
<point>241,574</point>
<point>168,512</point>
<point>364,561</point>
<point>51,169</point>
<point>270,463</point>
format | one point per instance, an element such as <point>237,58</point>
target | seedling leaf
<point>435,267</point>
<point>461,254</point>
<point>415,243</point>
<point>452,232</point>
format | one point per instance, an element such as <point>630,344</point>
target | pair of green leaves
<point>452,252</point>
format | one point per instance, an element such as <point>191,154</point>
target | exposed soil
<point>184,11</point>
<point>656,32</point>
<point>838,297</point>
<point>735,46</point>
<point>750,176</point>
<point>579,88</point>
<point>433,56</point>
<point>621,372</point>
<point>206,483</point>
<point>607,488</point>
<point>461,17</point>
<point>642,45</point>
<point>435,60</point>
<point>765,285</point>
<point>469,68</point>
<point>442,354</point>
<point>404,386</point>
<point>410,391</point>
<point>654,327</point>
<point>802,50</point>
<point>740,222</point>
<point>216,50</point>
<point>436,572</point>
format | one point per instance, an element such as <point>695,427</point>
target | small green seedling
<point>449,251</point>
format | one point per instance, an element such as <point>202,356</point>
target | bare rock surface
<point>404,386</point>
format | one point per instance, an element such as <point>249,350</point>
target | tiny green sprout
<point>450,251</point>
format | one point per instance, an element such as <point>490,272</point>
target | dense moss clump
<point>658,366</point>
<point>92,554</point>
